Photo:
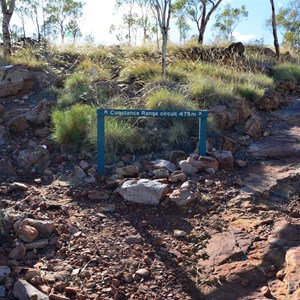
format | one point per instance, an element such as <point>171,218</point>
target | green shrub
<point>122,138</point>
<point>96,71</point>
<point>249,91</point>
<point>163,99</point>
<point>285,72</point>
<point>73,126</point>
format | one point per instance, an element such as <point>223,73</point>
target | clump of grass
<point>121,137</point>
<point>286,72</point>
<point>29,58</point>
<point>72,126</point>
<point>141,70</point>
<point>164,99</point>
<point>249,91</point>
<point>96,71</point>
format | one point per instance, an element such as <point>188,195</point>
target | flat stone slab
<point>263,178</point>
<point>284,145</point>
<point>290,114</point>
<point>226,246</point>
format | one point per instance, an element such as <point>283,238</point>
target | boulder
<point>24,290</point>
<point>252,126</point>
<point>37,159</point>
<point>210,162</point>
<point>143,191</point>
<point>128,171</point>
<point>292,272</point>
<point>15,81</point>
<point>6,169</point>
<point>224,158</point>
<point>187,167</point>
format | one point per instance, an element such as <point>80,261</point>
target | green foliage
<point>28,57</point>
<point>166,100</point>
<point>288,22</point>
<point>140,70</point>
<point>73,126</point>
<point>228,20</point>
<point>249,91</point>
<point>286,71</point>
<point>122,138</point>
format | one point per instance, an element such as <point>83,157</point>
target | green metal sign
<point>102,113</point>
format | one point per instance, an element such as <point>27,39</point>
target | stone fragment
<point>165,164</point>
<point>98,195</point>
<point>6,168</point>
<point>32,273</point>
<point>133,239</point>
<point>196,163</point>
<point>187,167</point>
<point>179,233</point>
<point>25,291</point>
<point>266,291</point>
<point>44,228</point>
<point>143,191</point>
<point>229,144</point>
<point>128,171</point>
<point>210,162</point>
<point>177,155</point>
<point>252,127</point>
<point>39,244</point>
<point>224,158</point>
<point>26,233</point>
<point>58,297</point>
<point>143,272</point>
<point>4,271</point>
<point>18,252</point>
<point>292,276</point>
<point>18,123</point>
<point>183,196</point>
<point>161,173</point>
<point>73,178</point>
<point>84,165</point>
<point>38,158</point>
<point>178,176</point>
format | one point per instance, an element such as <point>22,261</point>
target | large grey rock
<point>75,177</point>
<point>25,291</point>
<point>143,191</point>
<point>15,81</point>
<point>165,164</point>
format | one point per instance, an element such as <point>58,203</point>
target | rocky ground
<point>224,226</point>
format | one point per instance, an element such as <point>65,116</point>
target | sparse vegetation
<point>196,79</point>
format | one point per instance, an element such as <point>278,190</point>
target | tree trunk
<point>7,14</point>
<point>205,18</point>
<point>274,28</point>
<point>164,53</point>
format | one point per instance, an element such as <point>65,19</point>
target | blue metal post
<point>202,135</point>
<point>100,141</point>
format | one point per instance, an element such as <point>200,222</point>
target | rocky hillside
<point>168,225</point>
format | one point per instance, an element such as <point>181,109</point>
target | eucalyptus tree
<point>23,11</point>
<point>288,22</point>
<point>163,10</point>
<point>59,14</point>
<point>274,29</point>
<point>199,11</point>
<point>228,20</point>
<point>7,9</point>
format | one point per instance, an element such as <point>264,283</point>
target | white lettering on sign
<point>146,113</point>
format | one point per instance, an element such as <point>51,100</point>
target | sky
<point>99,15</point>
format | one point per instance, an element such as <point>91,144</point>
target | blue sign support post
<point>102,113</point>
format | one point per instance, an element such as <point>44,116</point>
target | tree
<point>288,21</point>
<point>183,27</point>
<point>163,12</point>
<point>274,29</point>
<point>60,13</point>
<point>23,12</point>
<point>199,11</point>
<point>7,7</point>
<point>228,20</point>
